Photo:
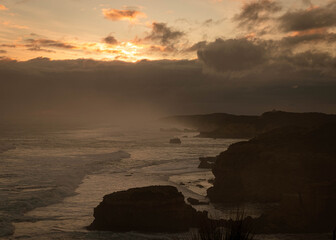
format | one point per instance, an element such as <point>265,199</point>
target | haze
<point>102,60</point>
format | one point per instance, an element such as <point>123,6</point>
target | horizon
<point>99,60</point>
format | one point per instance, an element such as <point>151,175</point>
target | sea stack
<point>175,141</point>
<point>146,209</point>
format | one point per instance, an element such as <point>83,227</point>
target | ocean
<point>52,178</point>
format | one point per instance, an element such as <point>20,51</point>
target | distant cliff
<point>282,161</point>
<point>223,125</point>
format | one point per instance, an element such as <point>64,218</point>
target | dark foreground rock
<point>147,209</point>
<point>175,141</point>
<point>279,162</point>
<point>294,166</point>
<point>311,210</point>
<point>207,162</point>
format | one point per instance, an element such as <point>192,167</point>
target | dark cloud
<point>312,18</point>
<point>39,49</point>
<point>197,46</point>
<point>163,34</point>
<point>91,90</point>
<point>162,49</point>
<point>8,45</point>
<point>3,51</point>
<point>117,15</point>
<point>256,12</point>
<point>232,55</point>
<point>210,22</point>
<point>312,60</point>
<point>243,57</point>
<point>37,43</point>
<point>110,40</point>
<point>308,39</point>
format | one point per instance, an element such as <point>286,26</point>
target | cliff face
<point>222,125</point>
<point>282,161</point>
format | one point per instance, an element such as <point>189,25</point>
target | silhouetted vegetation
<point>237,229</point>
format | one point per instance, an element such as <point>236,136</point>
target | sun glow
<point>124,51</point>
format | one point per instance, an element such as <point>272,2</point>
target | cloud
<point>311,18</point>
<point>197,46</point>
<point>210,22</point>
<point>256,12</point>
<point>163,34</point>
<point>110,40</point>
<point>39,49</point>
<point>232,55</point>
<point>13,25</point>
<point>37,43</point>
<point>3,8</point>
<point>118,15</point>
<point>309,38</point>
<point>88,90</point>
<point>8,45</point>
<point>3,51</point>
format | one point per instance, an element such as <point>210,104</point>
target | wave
<point>58,182</point>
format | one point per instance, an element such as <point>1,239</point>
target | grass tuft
<point>239,228</point>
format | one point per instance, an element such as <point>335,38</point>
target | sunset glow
<point>152,30</point>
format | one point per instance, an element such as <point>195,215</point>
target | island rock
<point>146,209</point>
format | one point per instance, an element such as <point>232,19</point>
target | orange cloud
<point>12,25</point>
<point>118,15</point>
<point>308,32</point>
<point>3,8</point>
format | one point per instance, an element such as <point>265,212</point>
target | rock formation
<point>175,141</point>
<point>147,209</point>
<point>207,162</point>
<point>275,163</point>
<point>194,201</point>
<point>222,125</point>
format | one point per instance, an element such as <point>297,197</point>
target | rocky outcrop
<point>147,209</point>
<point>175,141</point>
<point>222,125</point>
<point>218,125</point>
<point>207,162</point>
<point>282,161</point>
<point>194,201</point>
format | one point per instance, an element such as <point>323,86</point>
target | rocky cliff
<point>222,125</point>
<point>282,161</point>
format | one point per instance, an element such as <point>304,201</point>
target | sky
<point>131,30</point>
<point>72,58</point>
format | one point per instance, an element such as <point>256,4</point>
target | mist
<point>89,91</point>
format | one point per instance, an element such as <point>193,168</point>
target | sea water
<point>51,179</point>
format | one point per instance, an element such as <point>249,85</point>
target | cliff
<point>222,125</point>
<point>281,161</point>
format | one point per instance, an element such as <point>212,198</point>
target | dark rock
<point>175,141</point>
<point>311,210</point>
<point>194,201</point>
<point>147,209</point>
<point>207,162</point>
<point>199,185</point>
<point>211,181</point>
<point>223,125</point>
<point>275,163</point>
